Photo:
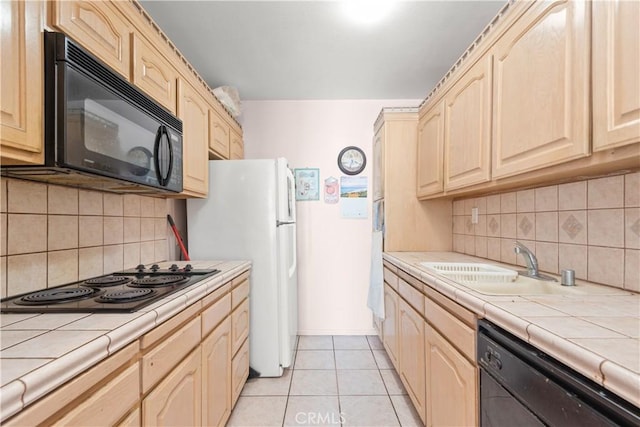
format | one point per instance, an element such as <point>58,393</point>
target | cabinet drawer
<point>390,277</point>
<point>109,403</point>
<point>155,335</point>
<point>215,314</point>
<point>239,279</point>
<point>460,335</point>
<point>239,372</point>
<point>98,27</point>
<point>239,294</point>
<point>239,326</point>
<point>413,296</point>
<point>161,360</point>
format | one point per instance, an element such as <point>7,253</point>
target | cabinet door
<point>21,67</point>
<point>467,134</point>
<point>616,73</point>
<point>239,372</point>
<point>194,113</point>
<point>452,398</point>
<point>216,376</point>
<point>412,367</point>
<point>390,325</point>
<point>153,74</point>
<point>176,400</point>
<point>239,325</point>
<point>219,138</point>
<point>541,89</point>
<point>99,27</point>
<point>378,164</point>
<point>236,149</point>
<point>430,151</point>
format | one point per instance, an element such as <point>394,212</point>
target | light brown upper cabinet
<point>21,67</point>
<point>467,132</point>
<point>194,113</point>
<point>97,26</point>
<point>236,147</point>
<point>541,89</point>
<point>616,73</point>
<point>220,136</point>
<point>430,151</point>
<point>153,74</point>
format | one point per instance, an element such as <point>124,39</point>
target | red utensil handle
<point>178,238</point>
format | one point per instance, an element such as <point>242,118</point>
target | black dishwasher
<point>522,386</point>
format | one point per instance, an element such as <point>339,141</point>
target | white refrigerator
<point>250,214</point>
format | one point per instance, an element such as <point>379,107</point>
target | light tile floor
<point>339,380</point>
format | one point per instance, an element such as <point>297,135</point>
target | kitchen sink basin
<point>528,286</point>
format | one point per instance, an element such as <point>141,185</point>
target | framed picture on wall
<point>307,184</point>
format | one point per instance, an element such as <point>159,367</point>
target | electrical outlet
<point>474,215</point>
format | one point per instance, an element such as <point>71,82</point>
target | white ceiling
<point>274,50</point>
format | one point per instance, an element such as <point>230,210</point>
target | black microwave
<point>100,131</point>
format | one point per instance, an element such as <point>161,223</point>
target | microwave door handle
<point>159,155</point>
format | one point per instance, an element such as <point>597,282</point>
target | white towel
<point>375,299</point>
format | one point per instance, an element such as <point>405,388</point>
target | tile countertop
<point>596,335</point>
<point>40,352</point>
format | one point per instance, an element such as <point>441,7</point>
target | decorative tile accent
<point>526,226</point>
<point>632,228</point>
<point>493,226</point>
<point>468,226</point>
<point>572,226</point>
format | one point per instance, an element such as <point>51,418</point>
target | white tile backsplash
<point>53,235</point>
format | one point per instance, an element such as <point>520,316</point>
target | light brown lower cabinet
<point>451,384</point>
<point>216,376</point>
<point>412,366</point>
<point>390,334</point>
<point>176,400</point>
<point>134,419</point>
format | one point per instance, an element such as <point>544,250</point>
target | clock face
<point>352,160</point>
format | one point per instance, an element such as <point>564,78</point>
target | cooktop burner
<point>106,281</point>
<point>57,296</point>
<point>125,295</point>
<point>158,281</point>
<point>120,292</point>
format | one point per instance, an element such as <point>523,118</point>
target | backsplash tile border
<point>55,252</point>
<point>591,226</point>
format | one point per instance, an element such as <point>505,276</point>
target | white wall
<point>333,253</point>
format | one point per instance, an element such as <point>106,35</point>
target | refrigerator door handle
<point>279,223</point>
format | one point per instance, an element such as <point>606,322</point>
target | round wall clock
<point>352,160</point>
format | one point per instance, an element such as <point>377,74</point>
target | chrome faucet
<point>532,263</point>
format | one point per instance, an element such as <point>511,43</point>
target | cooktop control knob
<point>173,267</point>
<point>188,267</point>
<point>155,267</point>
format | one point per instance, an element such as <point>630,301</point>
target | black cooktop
<point>120,292</point>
